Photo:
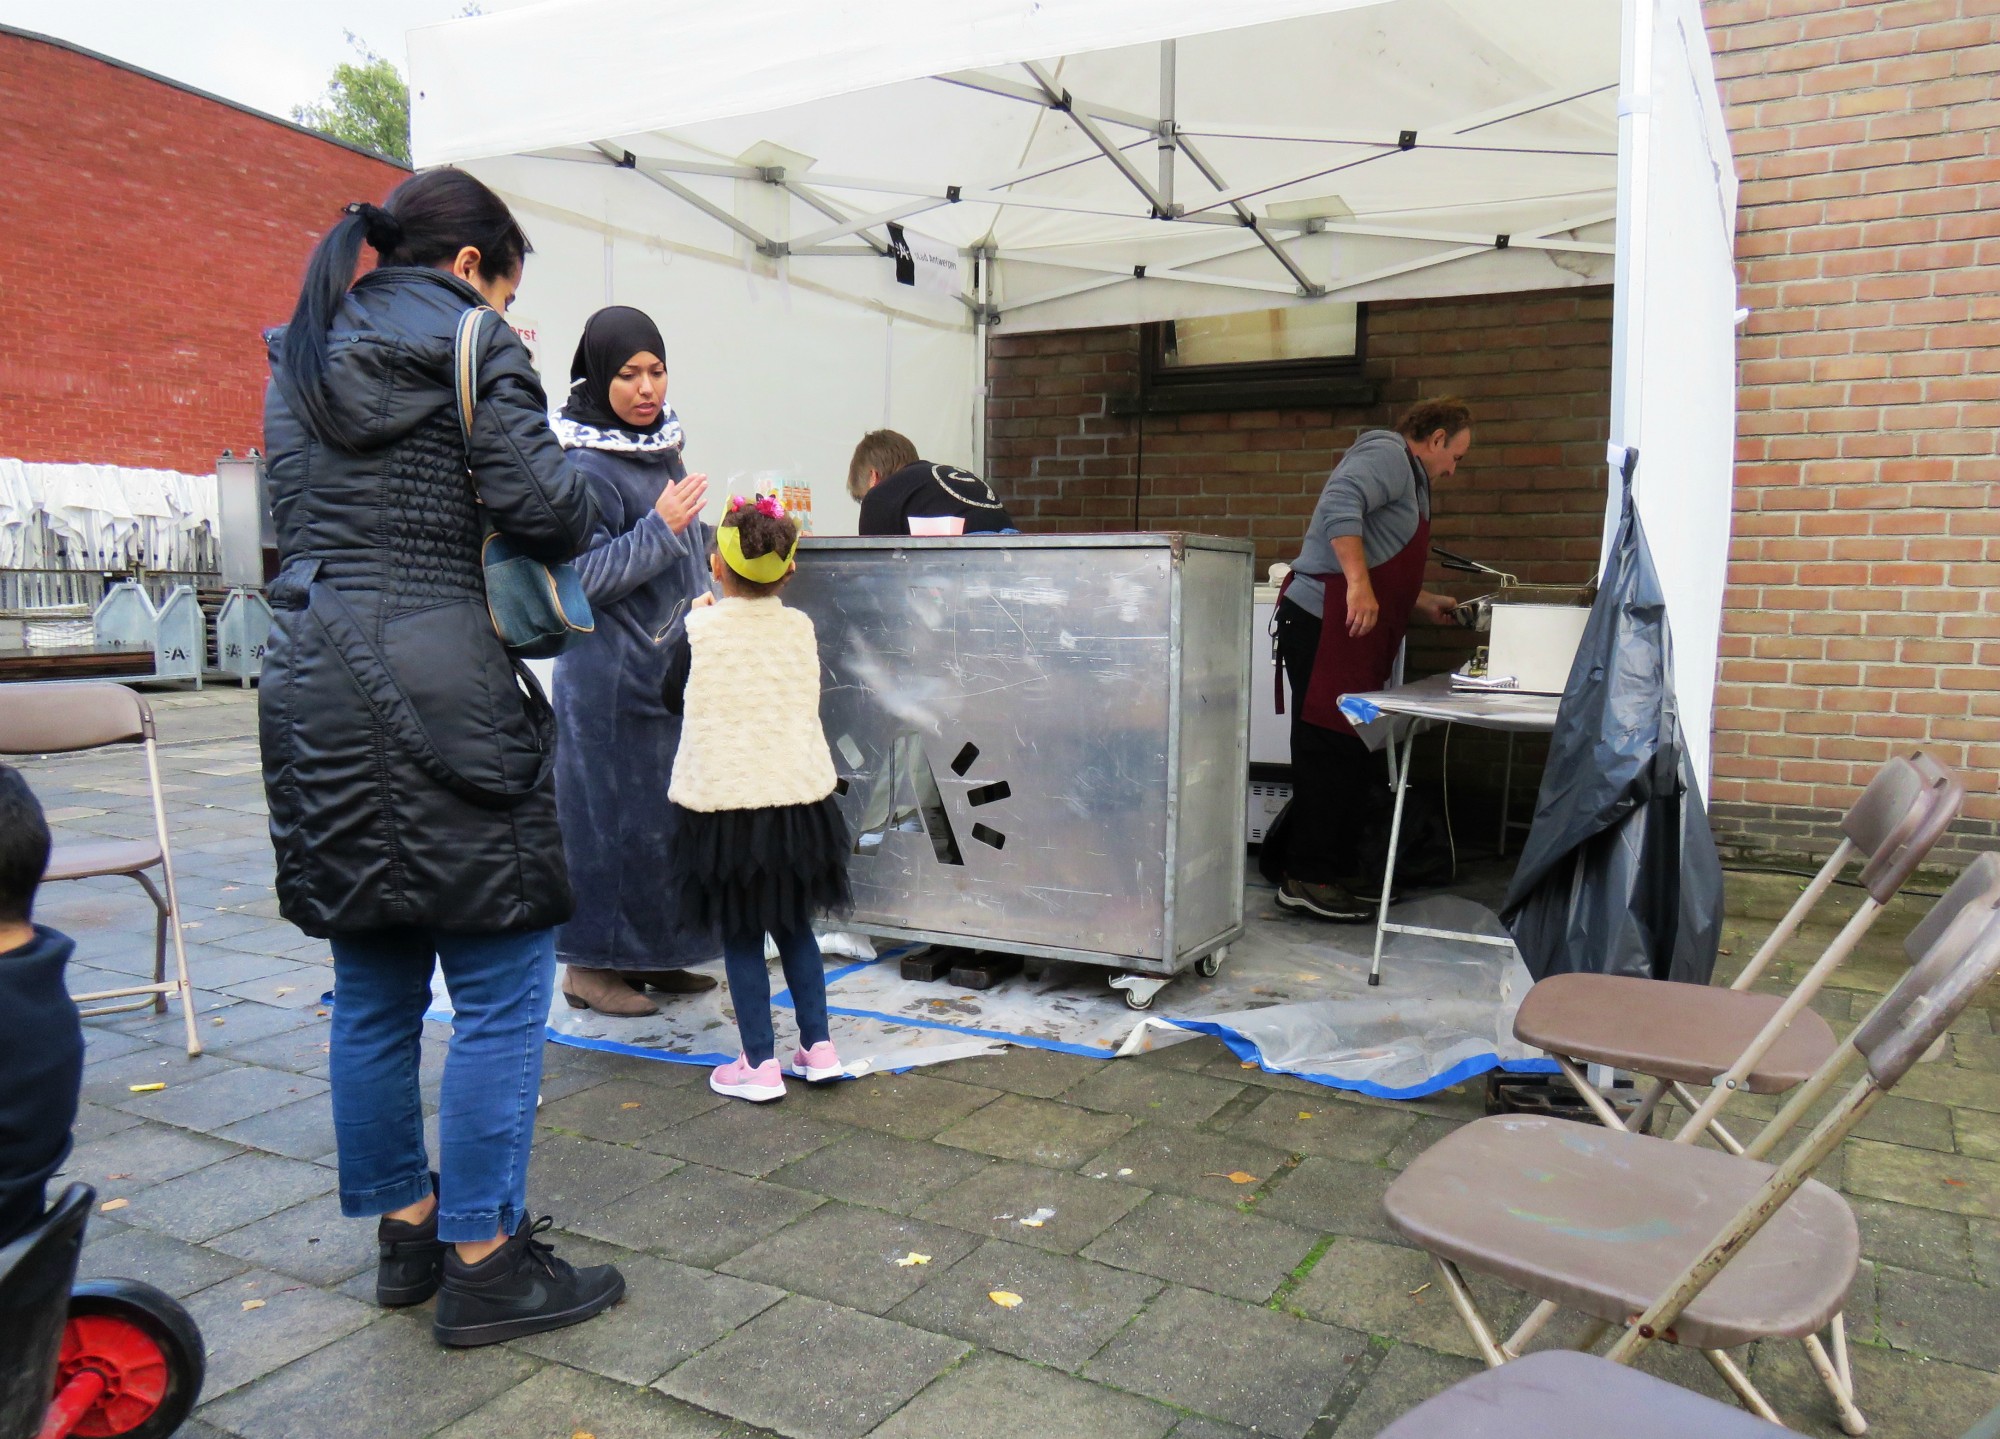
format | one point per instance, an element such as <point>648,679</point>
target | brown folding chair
<point>1731,1039</point>
<point>59,718</point>
<point>1689,1246</point>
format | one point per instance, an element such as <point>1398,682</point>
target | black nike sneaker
<point>411,1260</point>
<point>520,1288</point>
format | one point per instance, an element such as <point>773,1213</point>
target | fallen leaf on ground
<point>253,1304</point>
<point>1956,1183</point>
<point>147,1088</point>
<point>1005,1298</point>
<point>1234,1176</point>
<point>320,1013</point>
<point>110,1204</point>
<point>583,1434</point>
<point>117,1176</point>
<point>1421,1288</point>
<point>284,989</point>
<point>1248,1064</point>
<point>630,1104</point>
<point>218,1021</point>
<point>1305,1114</point>
<point>912,1259</point>
<point>1124,1172</point>
<point>1038,1218</point>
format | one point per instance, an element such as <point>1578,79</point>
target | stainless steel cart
<point>1043,740</point>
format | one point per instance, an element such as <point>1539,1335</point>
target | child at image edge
<point>760,846</point>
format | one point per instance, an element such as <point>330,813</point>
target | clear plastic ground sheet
<point>1293,996</point>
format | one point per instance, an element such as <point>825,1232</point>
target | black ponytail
<point>426,221</point>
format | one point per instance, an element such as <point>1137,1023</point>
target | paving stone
<point>697,1215</point>
<point>910,1106</point>
<point>1985,1236</point>
<point>625,1111</point>
<point>1976,1133</point>
<point>1385,1290</point>
<point>1153,1092</point>
<point>99,1041</point>
<point>1071,1307</point>
<point>1912,1238</point>
<point>95,1122</point>
<point>993,1397</point>
<point>569,1175</point>
<point>312,1241</point>
<point>1405,1378</point>
<point>246,1024</point>
<point>141,1157</point>
<point>848,1255</point>
<point>813,1370</point>
<point>880,1170</point>
<point>1976,1051</point>
<point>1950,1084</point>
<point>298,1131</point>
<point>246,1344</point>
<point>559,1403</point>
<point>237,962</point>
<point>1332,1196</point>
<point>995,1200</point>
<point>215,1101</point>
<point>1178,1160</point>
<point>1022,1069</point>
<point>669,1312</point>
<point>1899,1120</point>
<point>1204,1246</point>
<point>1953,1183</point>
<point>305,991</point>
<point>1333,1128</point>
<point>1903,1395</point>
<point>751,1139</point>
<point>1231,1361</point>
<point>1943,1318</point>
<point>165,1263</point>
<point>227,1195</point>
<point>390,1378</point>
<point>110,1081</point>
<point>1036,1131</point>
<point>302,1049</point>
<point>1196,1053</point>
<point>1429,1130</point>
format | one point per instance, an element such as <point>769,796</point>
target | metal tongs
<point>1474,613</point>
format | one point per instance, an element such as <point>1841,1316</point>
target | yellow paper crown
<point>765,569</point>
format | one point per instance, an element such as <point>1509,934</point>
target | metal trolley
<point>1043,741</point>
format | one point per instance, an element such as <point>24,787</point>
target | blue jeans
<point>500,986</point>
<point>750,988</point>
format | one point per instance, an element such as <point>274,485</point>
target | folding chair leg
<point>1722,1136</point>
<point>1642,1117</point>
<point>1461,1298</point>
<point>1521,1338</point>
<point>173,898</point>
<point>1592,1332</point>
<point>160,913</point>
<point>1840,1353</point>
<point>1851,1419</point>
<point>1738,1381</point>
<point>1587,1091</point>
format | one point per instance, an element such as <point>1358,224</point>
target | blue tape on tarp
<point>1465,1069</point>
<point>1359,710</point>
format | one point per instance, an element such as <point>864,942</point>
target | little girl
<point>759,844</point>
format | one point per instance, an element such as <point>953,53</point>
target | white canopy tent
<point>734,169</point>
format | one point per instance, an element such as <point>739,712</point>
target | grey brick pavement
<point>1162,1299</point>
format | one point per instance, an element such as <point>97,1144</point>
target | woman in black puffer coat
<point>407,759</point>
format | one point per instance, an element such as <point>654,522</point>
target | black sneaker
<point>1323,901</point>
<point>521,1288</point>
<point>411,1262</point>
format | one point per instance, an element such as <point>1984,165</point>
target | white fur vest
<point>750,730</point>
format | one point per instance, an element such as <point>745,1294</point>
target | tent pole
<point>982,330</point>
<point>1628,319</point>
<point>1167,68</point>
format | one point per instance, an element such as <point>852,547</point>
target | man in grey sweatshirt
<point>1353,590</point>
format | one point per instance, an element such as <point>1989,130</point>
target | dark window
<point>1305,356</point>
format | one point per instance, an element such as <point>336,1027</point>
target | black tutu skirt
<point>758,871</point>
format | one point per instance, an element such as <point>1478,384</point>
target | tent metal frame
<point>1226,208</point>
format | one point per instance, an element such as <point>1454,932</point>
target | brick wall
<point>1862,615</point>
<point>1530,496</point>
<point>151,234</point>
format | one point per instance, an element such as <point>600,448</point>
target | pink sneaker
<point>818,1064</point>
<point>739,1079</point>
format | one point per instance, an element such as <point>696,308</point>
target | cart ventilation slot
<point>988,793</point>
<point>849,750</point>
<point>987,835</point>
<point>967,757</point>
<point>904,796</point>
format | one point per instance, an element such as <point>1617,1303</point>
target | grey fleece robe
<point>1379,492</point>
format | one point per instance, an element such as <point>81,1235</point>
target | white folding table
<point>1392,719</point>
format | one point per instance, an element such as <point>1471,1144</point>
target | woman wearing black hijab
<point>644,563</point>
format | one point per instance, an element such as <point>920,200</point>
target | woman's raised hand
<point>680,502</point>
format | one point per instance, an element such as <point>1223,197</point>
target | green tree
<point>366,104</point>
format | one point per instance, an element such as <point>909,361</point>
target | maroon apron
<point>1345,665</point>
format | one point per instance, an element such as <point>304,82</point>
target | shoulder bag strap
<point>465,369</point>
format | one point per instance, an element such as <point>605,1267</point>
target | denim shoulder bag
<point>536,608</point>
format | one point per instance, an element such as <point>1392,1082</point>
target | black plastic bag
<point>1620,873</point>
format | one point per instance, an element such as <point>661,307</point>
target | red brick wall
<point>1862,616</point>
<point>1535,369</point>
<point>150,235</point>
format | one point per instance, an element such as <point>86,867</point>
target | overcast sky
<point>270,54</point>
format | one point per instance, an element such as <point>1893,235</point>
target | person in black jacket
<point>41,1039</point>
<point>893,487</point>
<point>407,757</point>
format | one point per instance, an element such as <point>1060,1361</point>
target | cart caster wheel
<point>1210,965</point>
<point>1134,1001</point>
<point>145,1351</point>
